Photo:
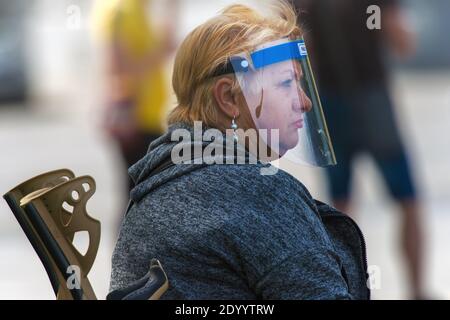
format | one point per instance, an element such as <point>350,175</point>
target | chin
<point>289,144</point>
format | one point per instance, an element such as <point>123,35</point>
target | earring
<point>234,127</point>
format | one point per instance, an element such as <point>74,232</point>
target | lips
<point>298,124</point>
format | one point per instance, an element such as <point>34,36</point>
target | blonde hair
<point>236,29</point>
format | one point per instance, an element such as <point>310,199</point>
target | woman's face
<point>279,103</point>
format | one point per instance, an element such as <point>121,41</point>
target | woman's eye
<point>287,83</point>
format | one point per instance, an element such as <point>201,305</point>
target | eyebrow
<point>289,70</point>
<point>293,73</point>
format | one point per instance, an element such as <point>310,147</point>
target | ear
<point>224,97</point>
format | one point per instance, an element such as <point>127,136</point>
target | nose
<point>305,102</point>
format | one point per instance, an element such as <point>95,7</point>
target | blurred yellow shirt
<point>127,22</point>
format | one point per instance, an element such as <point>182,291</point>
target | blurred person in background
<point>13,60</point>
<point>137,93</point>
<point>353,83</point>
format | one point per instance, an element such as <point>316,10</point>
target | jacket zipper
<point>362,243</point>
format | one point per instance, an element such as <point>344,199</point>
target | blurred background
<point>58,80</point>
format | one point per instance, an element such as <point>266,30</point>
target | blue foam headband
<point>264,57</point>
<point>279,53</point>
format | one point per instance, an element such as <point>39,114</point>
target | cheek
<point>275,111</point>
<point>277,114</point>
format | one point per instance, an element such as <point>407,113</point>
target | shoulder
<point>259,174</point>
<point>259,182</point>
<point>256,204</point>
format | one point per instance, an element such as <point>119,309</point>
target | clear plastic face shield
<point>278,86</point>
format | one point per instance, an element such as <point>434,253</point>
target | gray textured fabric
<point>228,232</point>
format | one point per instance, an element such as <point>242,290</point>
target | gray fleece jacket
<point>228,232</point>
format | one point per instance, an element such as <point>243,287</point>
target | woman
<point>226,226</point>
